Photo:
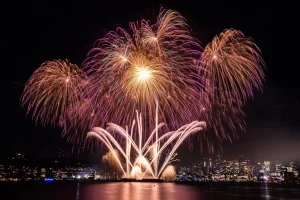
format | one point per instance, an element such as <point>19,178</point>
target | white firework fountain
<point>146,152</point>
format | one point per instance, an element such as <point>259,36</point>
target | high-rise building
<point>277,166</point>
<point>236,167</point>
<point>207,165</point>
<point>243,167</point>
<point>267,166</point>
<point>218,165</point>
<point>204,162</point>
<point>294,169</point>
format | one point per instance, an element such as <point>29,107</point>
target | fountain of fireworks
<point>152,148</point>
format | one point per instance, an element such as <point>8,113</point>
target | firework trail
<point>52,88</point>
<point>232,68</point>
<point>232,65</point>
<point>146,152</point>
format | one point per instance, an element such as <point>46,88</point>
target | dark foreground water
<point>143,191</point>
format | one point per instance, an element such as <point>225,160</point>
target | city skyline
<point>240,169</point>
<point>270,116</point>
<point>66,155</point>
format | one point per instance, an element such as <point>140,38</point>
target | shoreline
<point>196,184</point>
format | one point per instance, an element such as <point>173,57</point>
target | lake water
<point>143,191</point>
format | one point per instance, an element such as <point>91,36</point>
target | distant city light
<point>49,179</point>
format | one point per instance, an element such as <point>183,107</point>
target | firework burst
<point>52,88</point>
<point>132,69</point>
<point>232,65</point>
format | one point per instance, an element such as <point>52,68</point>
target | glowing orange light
<point>143,73</point>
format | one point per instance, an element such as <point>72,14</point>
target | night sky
<point>32,33</point>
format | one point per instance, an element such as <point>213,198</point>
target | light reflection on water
<point>143,191</point>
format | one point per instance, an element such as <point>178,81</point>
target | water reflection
<point>267,194</point>
<point>133,191</point>
<point>77,193</point>
<point>145,191</point>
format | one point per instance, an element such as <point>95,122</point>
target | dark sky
<point>32,33</point>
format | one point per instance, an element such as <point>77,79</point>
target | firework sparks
<point>52,88</point>
<point>146,152</point>
<point>132,69</point>
<point>232,65</point>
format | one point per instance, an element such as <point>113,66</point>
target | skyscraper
<point>267,166</point>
